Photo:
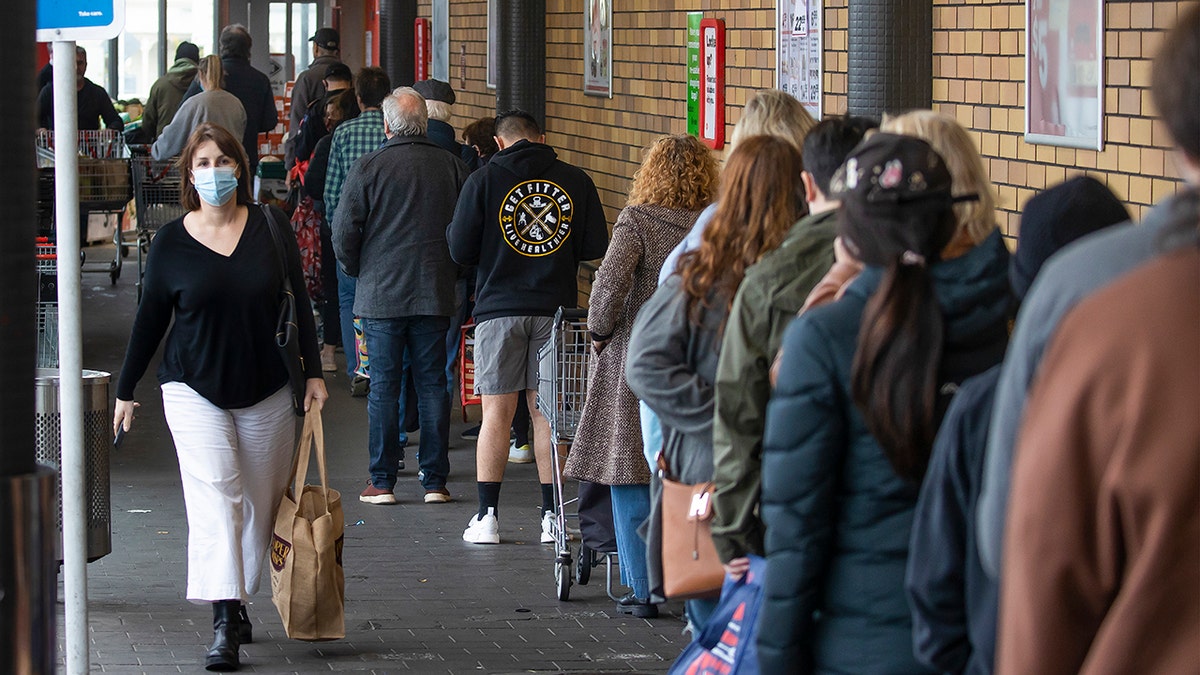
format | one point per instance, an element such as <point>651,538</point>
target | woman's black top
<point>225,309</point>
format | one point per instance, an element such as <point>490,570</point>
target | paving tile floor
<point>418,599</point>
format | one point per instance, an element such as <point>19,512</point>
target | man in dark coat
<point>249,85</point>
<point>92,102</point>
<point>311,85</point>
<point>167,93</point>
<point>389,233</point>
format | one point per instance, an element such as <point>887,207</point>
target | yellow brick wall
<point>978,78</point>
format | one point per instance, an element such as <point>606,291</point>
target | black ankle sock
<point>489,497</point>
<point>547,497</point>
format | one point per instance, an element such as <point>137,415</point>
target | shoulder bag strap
<point>279,250</point>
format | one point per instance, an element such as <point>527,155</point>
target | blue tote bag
<point>726,644</point>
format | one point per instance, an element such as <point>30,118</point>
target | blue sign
<point>79,19</point>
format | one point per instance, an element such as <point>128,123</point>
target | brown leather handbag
<point>691,568</point>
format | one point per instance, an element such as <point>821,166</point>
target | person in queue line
<point>526,220</point>
<point>92,103</point>
<point>248,84</point>
<point>770,112</point>
<point>166,94</point>
<point>673,349</point>
<point>440,98</point>
<point>954,604</point>
<point>1105,346</point>
<point>213,105</point>
<point>676,180</point>
<point>390,234</point>
<point>351,140</point>
<point>772,292</point>
<point>225,388</point>
<point>862,387</point>
<point>341,106</point>
<point>311,86</point>
<point>313,125</point>
<point>1084,269</point>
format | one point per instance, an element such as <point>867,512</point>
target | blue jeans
<point>346,287</point>
<point>631,507</point>
<point>699,611</point>
<point>424,338</point>
<point>463,288</point>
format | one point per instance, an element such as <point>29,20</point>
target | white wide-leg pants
<point>235,466</point>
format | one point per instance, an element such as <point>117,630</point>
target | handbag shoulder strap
<point>277,239</point>
<point>313,434</point>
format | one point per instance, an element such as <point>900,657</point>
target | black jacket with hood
<point>527,219</point>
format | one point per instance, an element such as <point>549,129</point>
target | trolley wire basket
<point>47,304</point>
<point>563,373</point>
<point>156,202</point>
<point>103,168</point>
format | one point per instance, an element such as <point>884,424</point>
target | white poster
<point>440,68</point>
<point>798,51</point>
<point>493,43</point>
<point>597,48</point>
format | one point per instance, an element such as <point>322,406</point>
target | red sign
<point>712,83</point>
<point>421,49</point>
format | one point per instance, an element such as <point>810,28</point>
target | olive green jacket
<point>771,294</point>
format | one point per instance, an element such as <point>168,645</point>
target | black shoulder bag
<point>287,330</point>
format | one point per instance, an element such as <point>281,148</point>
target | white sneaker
<point>485,530</point>
<point>549,522</point>
<point>519,454</point>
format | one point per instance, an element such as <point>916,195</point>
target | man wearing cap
<point>326,48</point>
<point>167,92</point>
<point>439,96</point>
<point>312,128</point>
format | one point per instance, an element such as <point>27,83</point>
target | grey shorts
<point>506,353</point>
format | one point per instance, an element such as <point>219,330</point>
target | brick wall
<point>978,78</point>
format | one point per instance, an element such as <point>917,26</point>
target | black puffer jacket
<point>838,517</point>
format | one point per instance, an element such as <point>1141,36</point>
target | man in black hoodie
<point>526,219</point>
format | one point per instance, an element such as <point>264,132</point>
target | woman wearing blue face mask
<point>215,272</point>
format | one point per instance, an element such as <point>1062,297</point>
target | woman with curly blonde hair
<point>676,180</point>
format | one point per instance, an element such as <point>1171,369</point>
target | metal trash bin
<point>97,439</point>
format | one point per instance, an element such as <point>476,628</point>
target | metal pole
<point>70,354</point>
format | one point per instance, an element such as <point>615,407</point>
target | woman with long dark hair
<point>213,278</point>
<point>676,339</point>
<point>861,391</point>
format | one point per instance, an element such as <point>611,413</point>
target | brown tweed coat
<point>608,441</point>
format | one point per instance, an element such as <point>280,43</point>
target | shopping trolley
<point>47,303</point>
<point>156,202</point>
<point>103,182</point>
<point>562,388</point>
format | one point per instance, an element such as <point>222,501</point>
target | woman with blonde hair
<point>676,339</point>
<point>975,218</point>
<point>213,105</point>
<point>676,180</point>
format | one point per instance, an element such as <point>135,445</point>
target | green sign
<point>693,72</point>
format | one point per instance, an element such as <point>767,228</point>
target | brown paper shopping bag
<point>307,580</point>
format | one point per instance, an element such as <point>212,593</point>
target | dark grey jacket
<point>390,229</point>
<point>671,366</point>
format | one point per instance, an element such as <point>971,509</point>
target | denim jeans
<point>424,338</point>
<point>463,288</point>
<point>330,316</point>
<point>652,438</point>
<point>631,507</point>
<point>346,287</point>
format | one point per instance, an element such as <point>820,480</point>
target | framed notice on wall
<point>440,41</point>
<point>597,48</point>
<point>1064,72</point>
<point>712,83</point>
<point>798,68</point>
<point>493,42</point>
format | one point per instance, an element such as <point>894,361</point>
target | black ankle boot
<point>245,628</point>
<point>223,654</point>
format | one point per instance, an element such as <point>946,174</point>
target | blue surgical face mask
<point>215,185</point>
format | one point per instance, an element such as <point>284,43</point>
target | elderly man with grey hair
<point>389,231</point>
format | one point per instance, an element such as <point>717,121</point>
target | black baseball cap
<point>326,38</point>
